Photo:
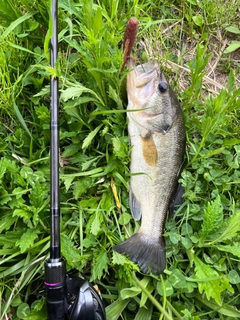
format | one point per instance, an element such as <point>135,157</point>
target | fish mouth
<point>143,79</point>
<point>145,73</point>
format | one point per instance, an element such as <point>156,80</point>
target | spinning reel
<point>70,297</point>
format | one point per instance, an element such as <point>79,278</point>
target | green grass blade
<point>23,49</point>
<point>16,23</point>
<point>21,119</point>
<point>114,310</point>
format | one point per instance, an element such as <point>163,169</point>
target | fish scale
<point>157,136</point>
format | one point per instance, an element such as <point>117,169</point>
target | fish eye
<point>162,87</point>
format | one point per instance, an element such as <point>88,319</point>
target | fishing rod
<point>68,297</point>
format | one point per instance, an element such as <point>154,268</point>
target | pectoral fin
<point>135,206</point>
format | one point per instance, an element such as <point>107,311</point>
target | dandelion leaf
<point>6,222</point>
<point>96,225</point>
<point>118,258</point>
<point>73,92</point>
<point>70,252</point>
<point>211,281</point>
<point>100,263</point>
<point>229,228</point>
<point>235,250</point>
<point>213,217</point>
<point>87,141</point>
<point>27,239</point>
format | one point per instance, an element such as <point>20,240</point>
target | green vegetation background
<point>197,44</point>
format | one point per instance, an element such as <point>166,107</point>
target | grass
<point>190,39</point>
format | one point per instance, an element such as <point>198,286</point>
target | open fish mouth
<point>143,80</point>
<point>144,73</point>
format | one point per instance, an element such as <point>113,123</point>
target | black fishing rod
<point>67,297</point>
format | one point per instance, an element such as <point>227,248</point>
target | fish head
<point>150,93</point>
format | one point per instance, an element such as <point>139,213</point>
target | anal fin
<point>135,206</point>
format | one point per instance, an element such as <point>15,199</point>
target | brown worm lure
<point>129,39</point>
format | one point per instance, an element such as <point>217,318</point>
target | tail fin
<point>148,253</point>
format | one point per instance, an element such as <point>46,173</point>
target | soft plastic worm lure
<point>129,39</point>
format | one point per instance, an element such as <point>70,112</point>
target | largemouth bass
<point>157,136</point>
